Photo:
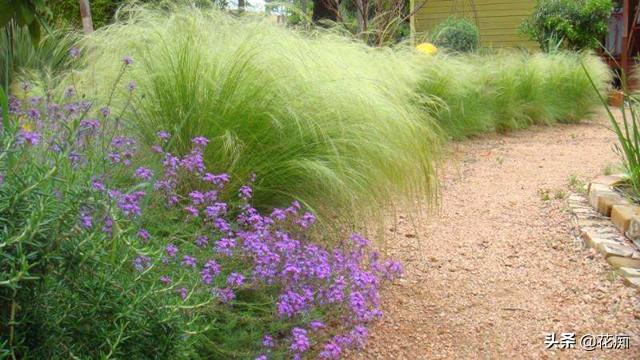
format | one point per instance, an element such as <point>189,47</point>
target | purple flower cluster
<point>274,251</point>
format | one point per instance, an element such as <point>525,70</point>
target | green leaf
<point>27,12</point>
<point>8,10</point>
<point>35,32</point>
<point>4,103</point>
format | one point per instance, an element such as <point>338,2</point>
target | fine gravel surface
<point>498,265</point>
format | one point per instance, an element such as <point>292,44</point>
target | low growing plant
<point>115,249</point>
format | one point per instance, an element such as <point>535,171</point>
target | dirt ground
<point>498,267</point>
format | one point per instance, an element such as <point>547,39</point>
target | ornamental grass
<point>509,90</point>
<point>318,118</point>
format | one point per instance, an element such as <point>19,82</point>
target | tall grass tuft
<point>509,90</point>
<point>627,130</point>
<point>318,118</point>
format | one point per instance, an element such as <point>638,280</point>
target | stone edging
<point>603,219</point>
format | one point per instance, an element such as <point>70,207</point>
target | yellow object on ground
<point>427,48</point>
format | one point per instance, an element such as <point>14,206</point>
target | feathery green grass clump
<point>318,118</point>
<point>509,90</point>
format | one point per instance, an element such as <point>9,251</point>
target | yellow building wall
<point>498,20</point>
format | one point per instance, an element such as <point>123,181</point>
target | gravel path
<point>498,266</point>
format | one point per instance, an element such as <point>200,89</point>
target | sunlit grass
<point>510,90</point>
<point>317,117</point>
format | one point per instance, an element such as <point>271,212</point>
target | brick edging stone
<point>610,224</point>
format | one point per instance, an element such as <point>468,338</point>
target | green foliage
<point>324,120</point>
<point>66,292</point>
<point>628,133</point>
<point>67,12</point>
<point>46,60</point>
<point>25,13</point>
<point>505,91</point>
<point>456,34</point>
<point>577,24</point>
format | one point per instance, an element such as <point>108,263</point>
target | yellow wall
<point>498,20</point>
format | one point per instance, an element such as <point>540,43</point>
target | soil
<point>498,266</point>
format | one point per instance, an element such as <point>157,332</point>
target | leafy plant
<point>578,24</point>
<point>40,62</point>
<point>456,34</point>
<point>627,132</point>
<point>25,13</point>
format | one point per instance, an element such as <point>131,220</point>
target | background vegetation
<point>573,24</point>
<point>509,90</point>
<point>456,34</point>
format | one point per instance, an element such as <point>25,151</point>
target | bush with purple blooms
<point>110,249</point>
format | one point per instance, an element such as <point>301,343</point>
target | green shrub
<point>576,24</point>
<point>457,34</point>
<point>505,91</point>
<point>67,288</point>
<point>324,120</point>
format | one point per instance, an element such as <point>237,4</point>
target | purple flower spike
<point>245,192</point>
<point>143,173</point>
<point>163,135</point>
<point>31,137</point>
<point>300,342</point>
<point>331,351</point>
<point>192,211</point>
<point>141,263</point>
<point>171,250</point>
<point>268,342</point>
<point>105,111</point>
<point>225,295</point>
<point>202,241</point>
<point>200,141</point>
<point>86,221</point>
<point>165,279</point>
<point>316,325</point>
<point>189,261</point>
<point>359,240</point>
<point>359,335</point>
<point>210,270</point>
<point>183,293</point>
<point>197,197</point>
<point>132,85</point>
<point>235,280</point>
<point>219,180</point>
<point>143,235</point>
<point>127,60</point>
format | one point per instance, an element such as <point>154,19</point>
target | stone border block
<point>607,234</point>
